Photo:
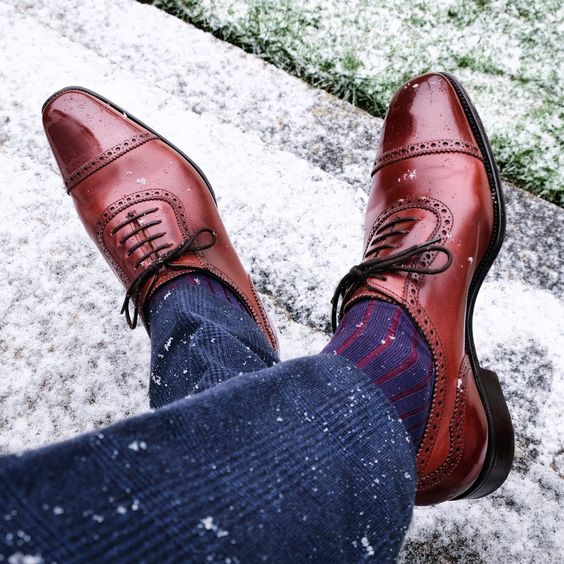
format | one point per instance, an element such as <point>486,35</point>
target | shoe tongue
<point>140,229</point>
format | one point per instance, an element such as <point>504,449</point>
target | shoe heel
<point>499,455</point>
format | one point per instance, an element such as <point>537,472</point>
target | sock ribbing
<point>381,339</point>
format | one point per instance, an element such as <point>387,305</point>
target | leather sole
<point>500,449</point>
<point>138,122</point>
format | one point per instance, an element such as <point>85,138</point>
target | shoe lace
<point>189,245</point>
<point>377,267</point>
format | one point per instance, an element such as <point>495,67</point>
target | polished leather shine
<point>429,169</point>
<point>139,198</point>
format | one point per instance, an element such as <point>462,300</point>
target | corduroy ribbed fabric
<point>203,280</point>
<point>303,460</point>
<point>199,339</point>
<point>381,339</point>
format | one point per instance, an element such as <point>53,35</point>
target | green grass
<point>507,53</point>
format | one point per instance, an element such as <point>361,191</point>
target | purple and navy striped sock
<point>381,339</point>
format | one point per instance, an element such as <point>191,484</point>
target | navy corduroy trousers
<point>242,459</point>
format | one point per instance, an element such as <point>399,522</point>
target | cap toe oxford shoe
<point>146,205</point>
<point>434,224</point>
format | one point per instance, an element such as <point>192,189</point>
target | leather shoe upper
<point>428,224</point>
<point>147,208</point>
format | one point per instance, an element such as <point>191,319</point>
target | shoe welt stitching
<point>426,148</point>
<point>106,157</point>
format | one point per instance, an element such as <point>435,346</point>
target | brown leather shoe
<point>434,225</point>
<point>147,206</point>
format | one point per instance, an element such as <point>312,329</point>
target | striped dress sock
<point>381,339</point>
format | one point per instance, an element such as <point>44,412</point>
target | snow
<point>137,446</point>
<point>19,558</point>
<point>366,544</point>
<point>209,525</point>
<point>290,166</point>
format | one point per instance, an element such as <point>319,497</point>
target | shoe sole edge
<point>500,449</point>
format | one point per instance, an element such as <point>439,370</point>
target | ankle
<point>380,339</point>
<point>210,285</point>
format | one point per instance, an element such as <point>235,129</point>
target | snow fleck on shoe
<point>434,225</point>
<point>147,206</point>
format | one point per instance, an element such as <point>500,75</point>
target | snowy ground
<point>290,166</point>
<point>508,54</point>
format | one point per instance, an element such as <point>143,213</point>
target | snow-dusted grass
<point>507,53</point>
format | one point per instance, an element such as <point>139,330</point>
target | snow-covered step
<point>290,166</point>
<point>212,77</point>
<point>264,194</point>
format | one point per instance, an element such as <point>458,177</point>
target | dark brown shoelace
<point>378,267</point>
<point>133,218</point>
<point>189,245</point>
